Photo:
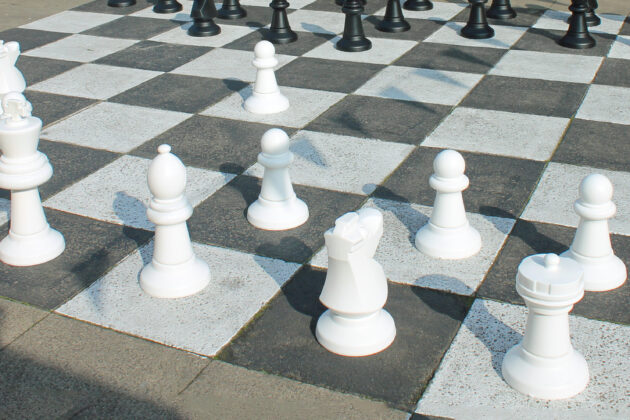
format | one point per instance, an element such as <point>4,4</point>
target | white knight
<point>11,79</point>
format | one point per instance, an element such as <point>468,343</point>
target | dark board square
<point>614,72</point>
<point>528,238</point>
<point>319,74</point>
<point>92,249</point>
<point>306,41</point>
<point>36,69</point>
<point>30,38</point>
<point>419,31</point>
<point>132,27</point>
<point>546,40</point>
<point>213,143</point>
<point>499,186</point>
<point>527,96</point>
<point>625,29</point>
<point>451,57</point>
<point>50,107</point>
<point>179,93</point>
<point>100,6</point>
<point>150,55</point>
<point>380,118</point>
<point>282,341</point>
<point>596,144</point>
<point>221,220</point>
<point>369,7</point>
<point>257,17</point>
<point>525,16</point>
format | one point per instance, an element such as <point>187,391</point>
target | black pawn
<point>393,21</point>
<point>477,26</point>
<point>202,13</point>
<point>353,39</point>
<point>231,9</point>
<point>340,2</point>
<point>120,3</point>
<point>418,5</point>
<point>280,31</point>
<point>577,37</point>
<point>501,9</point>
<point>591,18</point>
<point>167,6</point>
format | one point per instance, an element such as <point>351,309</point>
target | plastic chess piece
<point>591,18</point>
<point>167,6</point>
<point>418,5</point>
<point>577,36</point>
<point>477,26</point>
<point>340,2</point>
<point>355,289</point>
<point>202,13</point>
<point>501,9</point>
<point>23,169</point>
<point>277,206</point>
<point>393,21</point>
<point>448,234</point>
<point>591,247</point>
<point>545,365</point>
<point>231,9</point>
<point>266,97</point>
<point>121,3</point>
<point>174,271</point>
<point>353,39</point>
<point>280,31</point>
<point>11,79</point>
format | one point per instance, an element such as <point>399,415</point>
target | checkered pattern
<point>530,118</point>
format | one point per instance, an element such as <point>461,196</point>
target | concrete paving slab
<point>15,319</point>
<point>18,12</point>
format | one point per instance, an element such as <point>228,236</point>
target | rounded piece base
<point>355,336</point>
<point>600,274</point>
<point>172,8</point>
<point>393,26</point>
<point>592,20</point>
<point>277,216</point>
<point>449,244</point>
<point>356,45</point>
<point>577,42</point>
<point>23,251</point>
<point>281,37</point>
<point>201,29</point>
<point>544,378</point>
<point>121,3</point>
<point>266,103</point>
<point>501,13</point>
<point>231,14</point>
<point>418,5</point>
<point>170,282</point>
<point>477,32</point>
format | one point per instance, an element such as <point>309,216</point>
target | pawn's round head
<point>596,189</point>
<point>264,49</point>
<point>274,142</point>
<point>449,164</point>
<point>167,175</point>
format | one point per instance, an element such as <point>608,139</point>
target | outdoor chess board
<point>531,119</point>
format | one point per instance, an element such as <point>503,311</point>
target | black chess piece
<point>340,2</point>
<point>393,21</point>
<point>591,18</point>
<point>231,9</point>
<point>202,13</point>
<point>418,5</point>
<point>280,31</point>
<point>477,26</point>
<point>501,9</point>
<point>577,36</point>
<point>353,39</point>
<point>120,3</point>
<point>167,6</point>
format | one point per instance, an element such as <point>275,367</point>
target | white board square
<point>504,36</point>
<point>180,35</point>
<point>114,127</point>
<point>118,193</point>
<point>607,104</point>
<point>499,133</point>
<point>558,20</point>
<point>81,48</point>
<point>383,51</point>
<point>441,11</point>
<point>71,22</point>
<point>241,284</point>
<point>181,16</point>
<point>620,48</point>
<point>317,21</point>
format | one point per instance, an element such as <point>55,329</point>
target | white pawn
<point>277,206</point>
<point>23,169</point>
<point>11,79</point>
<point>175,271</point>
<point>355,290</point>
<point>545,365</point>
<point>591,247</point>
<point>266,97</point>
<point>448,234</point>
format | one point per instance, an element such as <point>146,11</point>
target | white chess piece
<point>355,290</point>
<point>277,206</point>
<point>591,247</point>
<point>11,80</point>
<point>175,271</point>
<point>545,365</point>
<point>266,97</point>
<point>23,169</point>
<point>448,234</point>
